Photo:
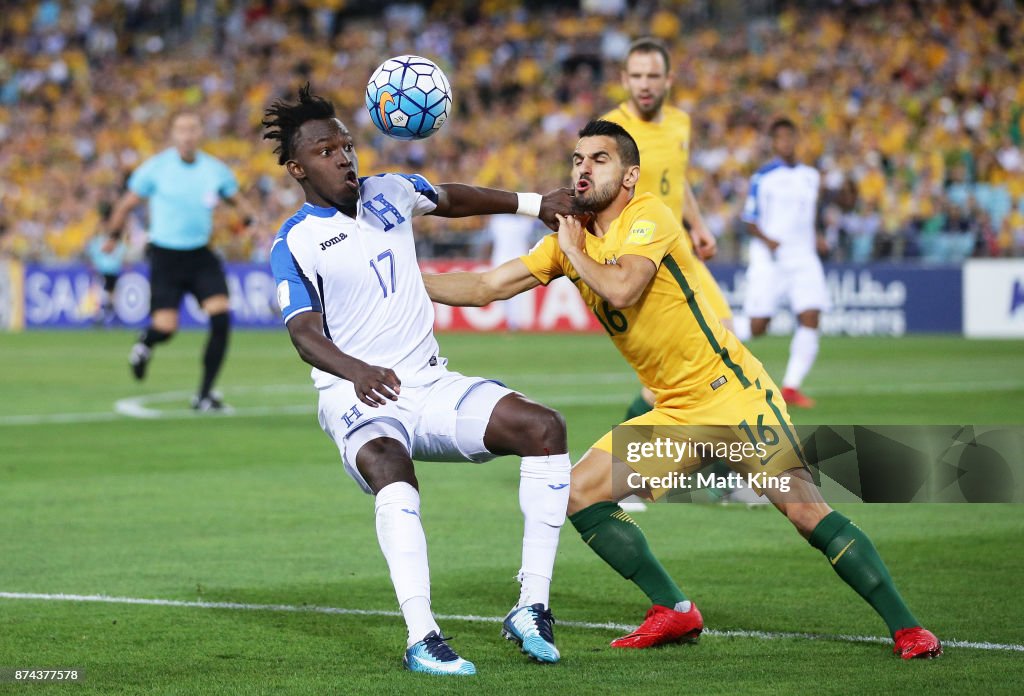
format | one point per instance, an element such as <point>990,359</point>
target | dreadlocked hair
<point>283,119</point>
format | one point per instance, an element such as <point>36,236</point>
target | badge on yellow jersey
<point>642,232</point>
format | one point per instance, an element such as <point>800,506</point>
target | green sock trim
<point>638,408</point>
<point>590,517</point>
<point>619,541</point>
<point>856,561</point>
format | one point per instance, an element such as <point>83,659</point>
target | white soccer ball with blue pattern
<point>408,97</point>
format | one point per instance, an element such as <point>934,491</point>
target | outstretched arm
<point>462,200</point>
<point>478,289</point>
<point>620,284</point>
<point>373,384</point>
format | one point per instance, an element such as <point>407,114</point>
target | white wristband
<point>529,204</point>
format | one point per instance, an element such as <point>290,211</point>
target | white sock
<point>802,351</point>
<point>401,538</point>
<point>741,327</point>
<point>418,618</point>
<point>543,498</point>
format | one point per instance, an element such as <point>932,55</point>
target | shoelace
<point>654,622</point>
<point>544,621</point>
<point>437,647</point>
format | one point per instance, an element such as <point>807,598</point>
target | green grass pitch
<point>256,510</point>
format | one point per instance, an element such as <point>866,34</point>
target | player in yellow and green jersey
<point>662,133</point>
<point>635,269</point>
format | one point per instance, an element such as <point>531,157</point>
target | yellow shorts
<point>712,292</point>
<point>747,429</point>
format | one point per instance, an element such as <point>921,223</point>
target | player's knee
<point>165,326</point>
<point>217,304</point>
<point>384,461</point>
<point>545,428</point>
<point>808,322</point>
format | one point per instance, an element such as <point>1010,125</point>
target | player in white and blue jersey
<point>183,185</point>
<point>780,212</point>
<point>356,309</point>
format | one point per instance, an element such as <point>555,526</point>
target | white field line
<point>138,407</point>
<point>313,609</point>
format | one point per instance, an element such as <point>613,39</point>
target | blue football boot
<point>532,628</point>
<point>433,655</point>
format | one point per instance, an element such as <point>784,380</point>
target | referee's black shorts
<point>172,273</point>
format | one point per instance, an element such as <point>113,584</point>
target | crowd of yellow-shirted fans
<point>914,117</point>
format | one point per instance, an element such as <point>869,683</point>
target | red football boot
<point>795,397</point>
<point>916,642</point>
<point>663,625</point>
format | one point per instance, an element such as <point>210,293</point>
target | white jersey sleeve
<point>295,291</point>
<point>420,194</point>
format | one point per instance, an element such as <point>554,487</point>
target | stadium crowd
<point>913,112</point>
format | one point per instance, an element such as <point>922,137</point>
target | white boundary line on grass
<point>137,407</point>
<point>314,609</point>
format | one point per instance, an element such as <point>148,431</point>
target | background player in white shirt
<point>353,299</point>
<point>780,213</point>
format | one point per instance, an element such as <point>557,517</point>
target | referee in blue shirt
<point>183,185</point>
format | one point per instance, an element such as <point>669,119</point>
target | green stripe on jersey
<point>691,301</point>
<point>785,428</point>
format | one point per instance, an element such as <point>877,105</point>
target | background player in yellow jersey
<point>635,269</point>
<point>662,132</point>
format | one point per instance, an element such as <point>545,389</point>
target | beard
<point>653,109</point>
<point>596,199</point>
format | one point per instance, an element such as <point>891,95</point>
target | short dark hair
<point>649,44</point>
<point>781,122</point>
<point>283,120</point>
<point>628,151</point>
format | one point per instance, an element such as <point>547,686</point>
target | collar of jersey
<point>318,211</point>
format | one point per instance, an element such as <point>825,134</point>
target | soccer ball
<point>408,97</point>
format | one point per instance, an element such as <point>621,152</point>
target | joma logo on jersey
<point>332,241</point>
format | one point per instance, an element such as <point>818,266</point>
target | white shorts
<point>801,282</point>
<point>444,420</point>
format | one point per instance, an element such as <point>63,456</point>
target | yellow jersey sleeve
<point>650,232</point>
<point>546,260</point>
